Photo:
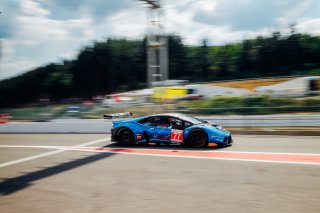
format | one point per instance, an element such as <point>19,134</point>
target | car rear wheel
<point>197,138</point>
<point>125,137</point>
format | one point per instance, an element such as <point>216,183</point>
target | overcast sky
<point>36,32</point>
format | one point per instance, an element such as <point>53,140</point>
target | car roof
<point>178,115</point>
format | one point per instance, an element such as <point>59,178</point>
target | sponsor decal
<point>175,143</point>
<point>212,144</point>
<point>176,135</point>
<point>165,137</point>
<point>152,143</point>
<point>217,138</point>
<point>139,137</point>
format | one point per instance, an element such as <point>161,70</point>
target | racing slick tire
<point>197,138</point>
<point>125,137</point>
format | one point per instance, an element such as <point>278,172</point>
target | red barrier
<point>4,118</point>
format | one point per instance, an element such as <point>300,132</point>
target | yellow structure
<point>169,94</point>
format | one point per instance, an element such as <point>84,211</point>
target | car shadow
<point>12,185</point>
<point>164,147</point>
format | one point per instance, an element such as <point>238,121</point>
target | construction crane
<point>152,3</point>
<point>157,44</point>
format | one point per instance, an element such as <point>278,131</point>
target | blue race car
<point>169,129</point>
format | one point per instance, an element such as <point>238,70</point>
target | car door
<point>159,130</point>
<point>177,130</point>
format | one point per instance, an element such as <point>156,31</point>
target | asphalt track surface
<point>88,173</point>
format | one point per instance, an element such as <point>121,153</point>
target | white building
<point>297,87</point>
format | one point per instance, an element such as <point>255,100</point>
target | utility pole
<point>0,52</point>
<point>157,44</point>
<point>0,55</point>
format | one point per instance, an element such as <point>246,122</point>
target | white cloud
<point>43,32</point>
<point>126,23</point>
<point>292,16</point>
<point>194,32</point>
<point>11,64</point>
<point>205,6</point>
<point>38,40</point>
<point>308,25</point>
<point>32,8</point>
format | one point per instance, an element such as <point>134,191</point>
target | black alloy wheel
<point>197,138</point>
<point>125,137</point>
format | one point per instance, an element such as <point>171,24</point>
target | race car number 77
<point>176,135</point>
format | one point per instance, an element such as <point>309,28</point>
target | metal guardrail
<point>252,110</point>
<point>269,122</point>
<point>261,116</point>
<point>254,78</point>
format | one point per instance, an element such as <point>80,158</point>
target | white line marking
<point>34,146</point>
<point>128,148</point>
<point>202,150</point>
<point>215,151</point>
<point>268,153</point>
<point>52,152</point>
<point>183,150</point>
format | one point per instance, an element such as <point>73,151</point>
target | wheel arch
<point>121,128</point>
<point>198,129</point>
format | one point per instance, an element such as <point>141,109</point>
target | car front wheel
<point>197,138</point>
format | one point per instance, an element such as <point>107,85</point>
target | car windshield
<point>192,119</point>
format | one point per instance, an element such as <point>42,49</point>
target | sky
<point>34,33</point>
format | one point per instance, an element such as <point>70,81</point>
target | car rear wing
<point>117,115</point>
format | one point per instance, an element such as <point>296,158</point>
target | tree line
<point>115,65</point>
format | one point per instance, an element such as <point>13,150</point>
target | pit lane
<point>117,182</point>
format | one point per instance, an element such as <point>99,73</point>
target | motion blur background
<point>62,59</point>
